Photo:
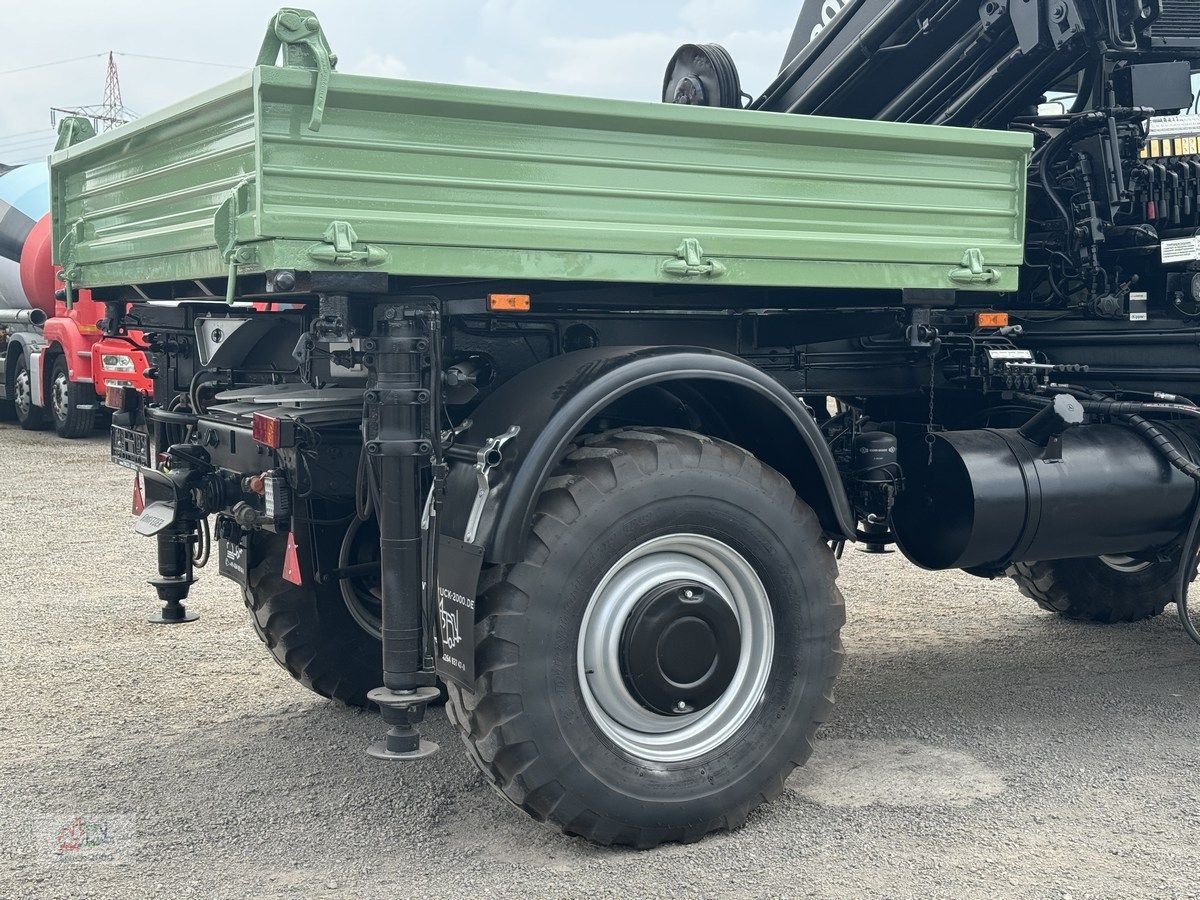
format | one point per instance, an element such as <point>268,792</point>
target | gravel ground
<point>980,747</point>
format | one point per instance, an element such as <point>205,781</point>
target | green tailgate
<point>420,179</point>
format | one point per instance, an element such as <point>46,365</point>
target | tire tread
<point>490,719</point>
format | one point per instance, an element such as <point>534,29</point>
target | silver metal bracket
<point>490,456</point>
<point>448,437</point>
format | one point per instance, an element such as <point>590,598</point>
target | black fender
<point>553,401</point>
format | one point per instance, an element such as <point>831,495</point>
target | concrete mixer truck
<point>55,364</point>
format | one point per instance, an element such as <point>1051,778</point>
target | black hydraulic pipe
<point>1191,336</point>
<point>935,75</point>
<point>861,48</point>
<point>998,70</point>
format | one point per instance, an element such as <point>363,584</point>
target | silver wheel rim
<point>1125,564</point>
<point>22,399</point>
<point>642,732</point>
<point>59,396</point>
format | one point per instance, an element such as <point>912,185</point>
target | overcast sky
<point>616,48</point>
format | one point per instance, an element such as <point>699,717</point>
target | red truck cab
<point>57,365</point>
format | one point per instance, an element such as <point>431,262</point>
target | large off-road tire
<point>631,522</point>
<point>72,404</point>
<point>1102,589</point>
<point>309,630</point>
<point>20,388</point>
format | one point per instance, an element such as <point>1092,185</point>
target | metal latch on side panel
<point>341,247</point>
<point>68,257</point>
<point>974,270</point>
<point>298,34</point>
<point>225,231</point>
<point>690,262</point>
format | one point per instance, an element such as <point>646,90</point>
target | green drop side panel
<point>461,182</point>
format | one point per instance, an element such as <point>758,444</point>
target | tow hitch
<point>177,499</point>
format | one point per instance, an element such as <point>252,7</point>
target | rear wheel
<point>1105,589</point>
<point>309,630</point>
<point>660,660</point>
<point>72,403</point>
<point>29,417</point>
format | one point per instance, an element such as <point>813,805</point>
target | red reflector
<point>139,503</point>
<point>114,397</point>
<point>291,563</point>
<point>266,431</point>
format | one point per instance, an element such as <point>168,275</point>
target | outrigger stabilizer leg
<point>399,442</point>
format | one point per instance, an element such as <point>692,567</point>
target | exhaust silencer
<point>33,317</point>
<point>994,497</point>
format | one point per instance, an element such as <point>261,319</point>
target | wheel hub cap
<point>679,648</point>
<point>24,397</point>
<point>61,387</point>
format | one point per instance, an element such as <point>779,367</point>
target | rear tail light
<point>273,432</point>
<point>120,396</point>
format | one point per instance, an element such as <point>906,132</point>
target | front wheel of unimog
<point>1106,589</point>
<point>660,660</point>
<point>309,630</point>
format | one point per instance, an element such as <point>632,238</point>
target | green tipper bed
<point>425,180</point>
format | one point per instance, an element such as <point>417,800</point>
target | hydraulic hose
<point>1129,413</point>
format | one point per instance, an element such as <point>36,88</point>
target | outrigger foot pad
<point>173,614</point>
<point>403,711</point>
<point>380,750</point>
<point>171,590</point>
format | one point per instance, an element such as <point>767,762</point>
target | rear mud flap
<point>459,565</point>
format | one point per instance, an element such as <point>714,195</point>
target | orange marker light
<point>509,302</point>
<point>991,320</point>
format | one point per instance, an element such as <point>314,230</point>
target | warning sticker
<point>1181,251</point>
